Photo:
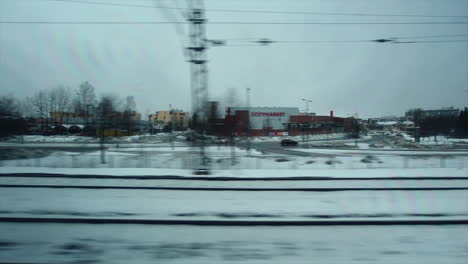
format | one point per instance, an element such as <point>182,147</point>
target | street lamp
<point>247,90</point>
<point>307,105</point>
<point>88,106</point>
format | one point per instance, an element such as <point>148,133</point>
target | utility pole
<point>198,73</point>
<point>304,135</point>
<point>197,58</point>
<point>171,112</point>
<point>247,90</point>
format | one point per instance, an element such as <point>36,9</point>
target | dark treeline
<point>444,125</point>
<point>462,124</point>
<point>46,111</point>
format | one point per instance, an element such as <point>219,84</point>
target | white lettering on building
<point>266,114</point>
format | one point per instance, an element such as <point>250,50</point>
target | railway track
<point>220,178</point>
<point>231,189</point>
<point>233,223</point>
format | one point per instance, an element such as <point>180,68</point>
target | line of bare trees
<point>59,100</point>
<point>114,113</point>
<point>50,107</point>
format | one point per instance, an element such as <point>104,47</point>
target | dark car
<point>288,142</point>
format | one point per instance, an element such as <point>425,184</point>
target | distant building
<point>258,121</point>
<point>178,118</point>
<point>319,124</point>
<point>412,114</point>
<point>277,121</point>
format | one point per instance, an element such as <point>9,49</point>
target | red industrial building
<point>313,124</point>
<point>276,121</point>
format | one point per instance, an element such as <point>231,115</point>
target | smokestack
<point>331,113</point>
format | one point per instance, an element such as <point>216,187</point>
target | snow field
<point>227,158</point>
<point>58,243</point>
<point>233,205</point>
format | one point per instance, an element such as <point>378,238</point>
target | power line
<point>230,23</point>
<point>407,37</point>
<point>436,36</point>
<point>368,41</point>
<point>267,11</point>
<point>265,41</point>
<point>346,41</point>
<point>429,41</point>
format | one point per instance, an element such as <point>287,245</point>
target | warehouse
<point>277,121</point>
<point>259,121</point>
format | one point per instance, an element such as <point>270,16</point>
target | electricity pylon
<point>199,75</point>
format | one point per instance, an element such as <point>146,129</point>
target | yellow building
<point>179,119</point>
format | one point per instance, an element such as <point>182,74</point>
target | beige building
<point>179,119</point>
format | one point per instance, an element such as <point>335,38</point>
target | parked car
<point>288,142</point>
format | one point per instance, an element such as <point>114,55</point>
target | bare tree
<point>9,106</point>
<point>106,119</point>
<point>40,104</point>
<point>27,107</point>
<point>128,115</point>
<point>84,98</point>
<point>60,99</point>
<point>106,112</point>
<point>10,121</point>
<point>51,102</point>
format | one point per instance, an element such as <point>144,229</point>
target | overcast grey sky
<point>146,61</point>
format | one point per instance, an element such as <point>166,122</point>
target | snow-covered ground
<point>124,243</point>
<point>382,152</point>
<point>441,140</point>
<point>336,136</point>
<point>241,182</point>
<point>81,243</point>
<point>233,205</point>
<point>248,173</point>
<point>433,140</point>
<point>145,138</point>
<point>153,138</point>
<point>234,158</point>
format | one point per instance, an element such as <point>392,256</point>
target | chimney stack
<point>331,113</point>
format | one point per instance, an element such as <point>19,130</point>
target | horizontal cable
<point>264,11</point>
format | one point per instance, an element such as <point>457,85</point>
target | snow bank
<point>145,138</point>
<point>300,138</point>
<point>380,152</point>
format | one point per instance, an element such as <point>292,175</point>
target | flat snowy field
<point>234,205</point>
<point>150,157</point>
<point>79,243</point>
<point>248,173</point>
<point>210,182</point>
<point>229,158</point>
